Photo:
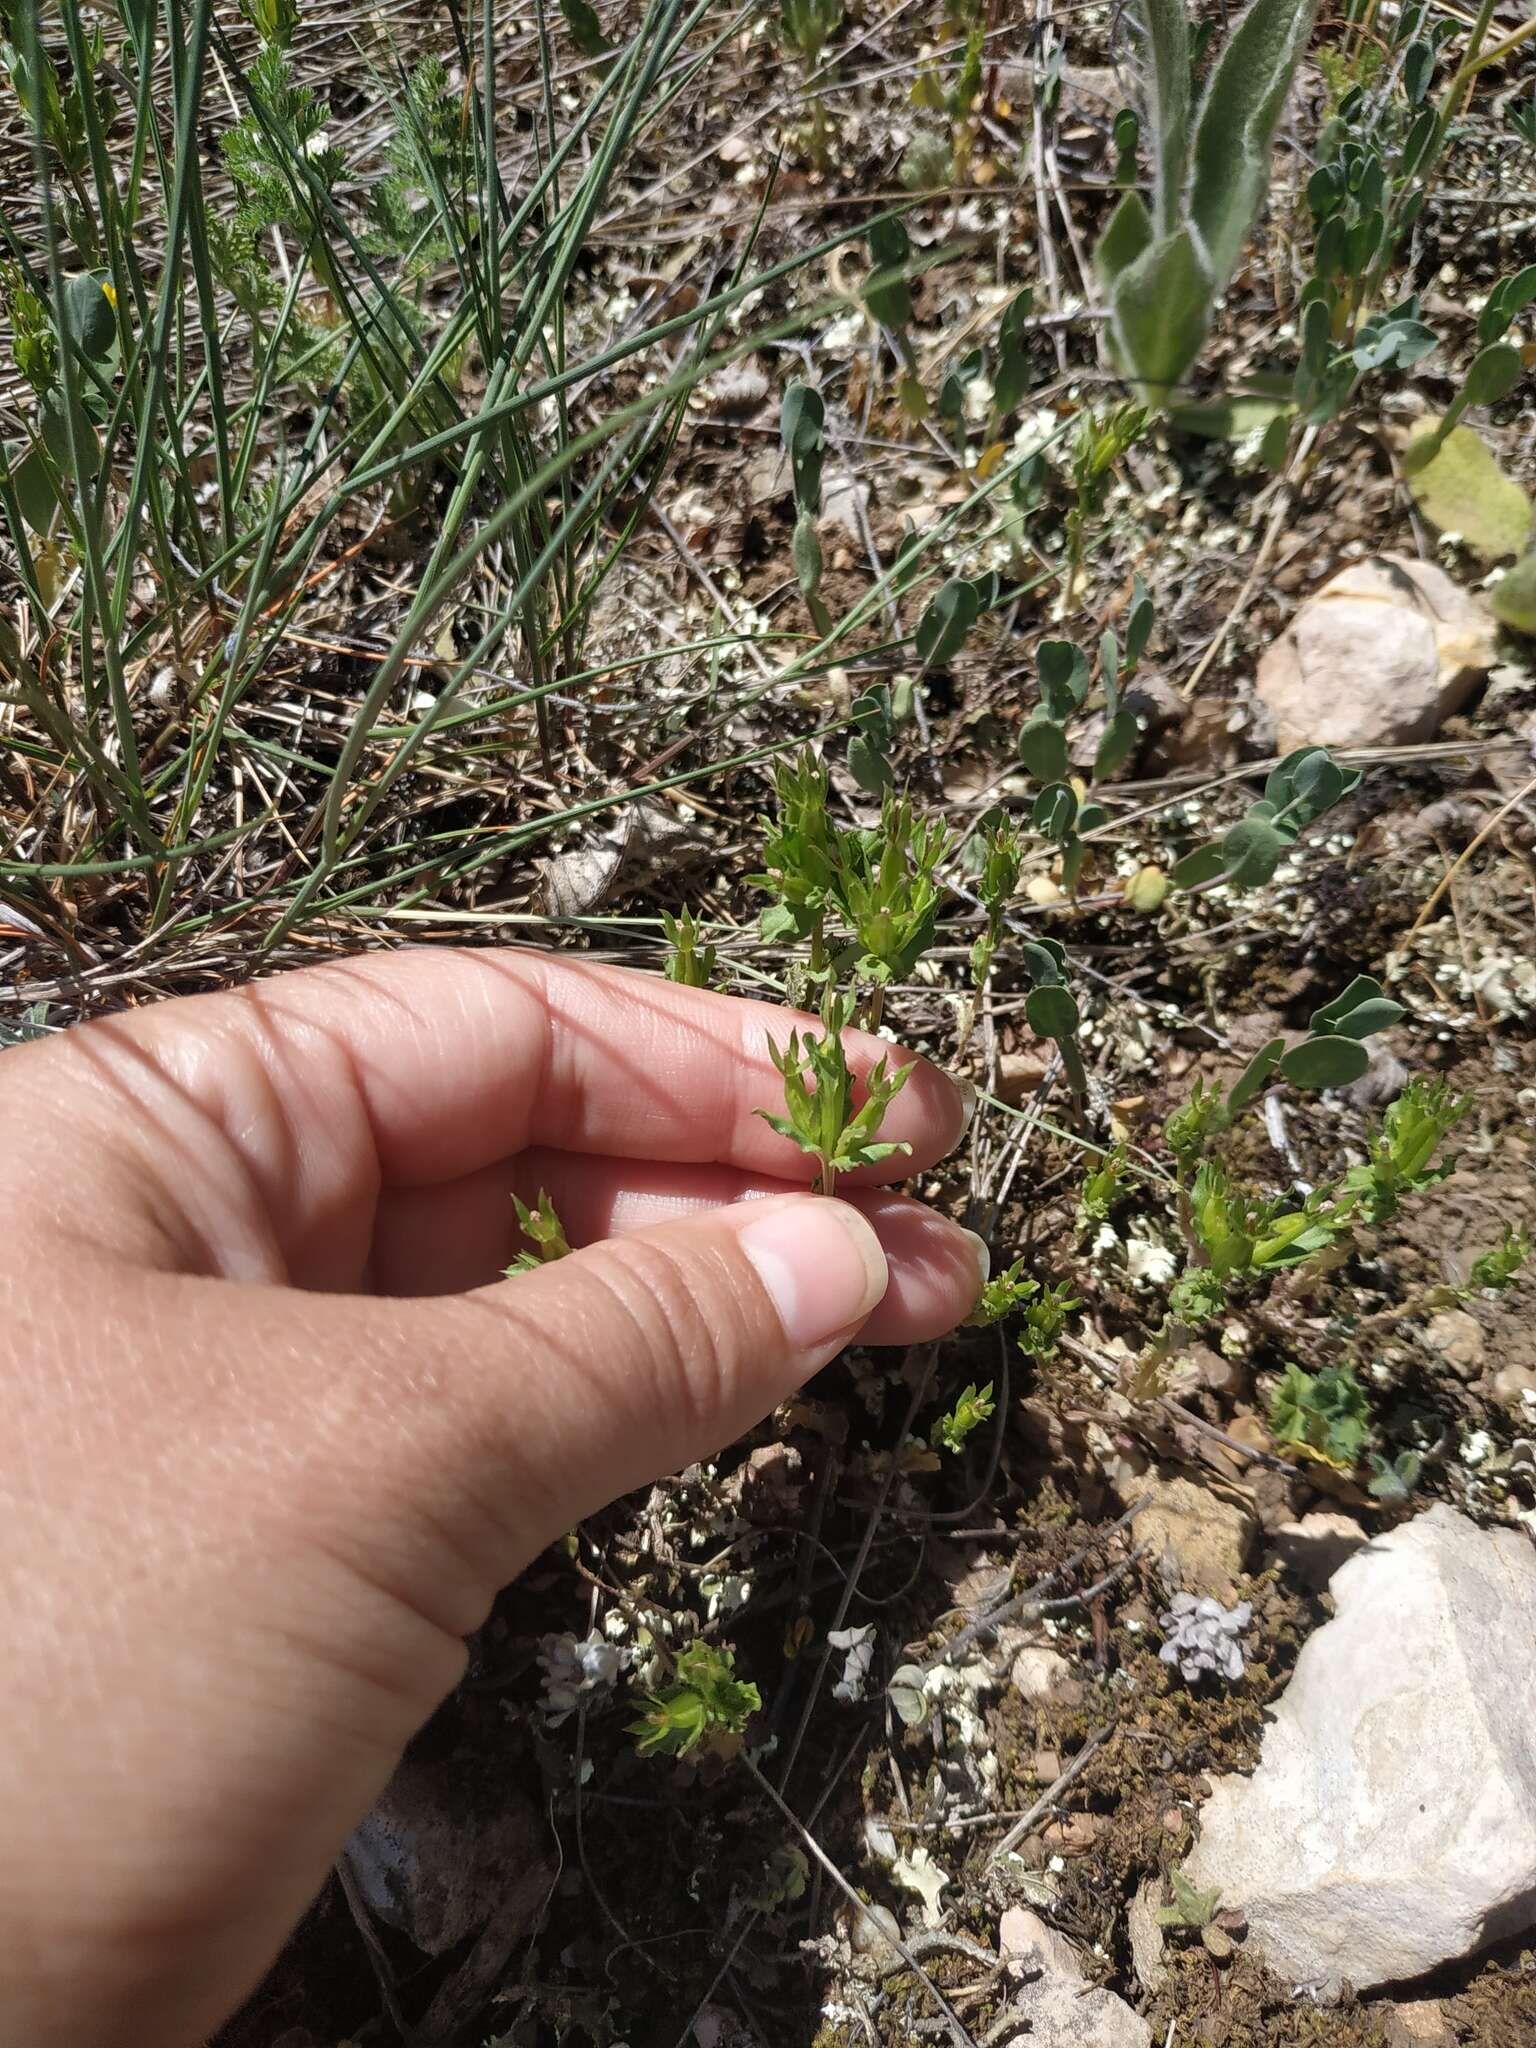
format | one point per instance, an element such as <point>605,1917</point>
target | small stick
<point>1043,1804</point>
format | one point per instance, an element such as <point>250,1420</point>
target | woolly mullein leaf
<point>1235,126</point>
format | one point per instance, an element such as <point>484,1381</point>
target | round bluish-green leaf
<point>1205,864</point>
<point>1376,1013</point>
<point>1044,961</point>
<point>1043,748</point>
<point>868,765</point>
<point>1063,676</point>
<point>1325,1062</point>
<point>1255,1075</point>
<point>1251,851</point>
<point>1051,1012</point>
<point>1055,811</point>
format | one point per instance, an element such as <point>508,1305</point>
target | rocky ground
<point>1135,1718</point>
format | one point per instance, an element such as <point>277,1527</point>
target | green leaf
<point>1120,736</point>
<point>1160,312</point>
<point>1331,1062</point>
<point>86,316</point>
<point>1128,235</point>
<point>886,292</point>
<point>1493,374</point>
<point>1205,864</point>
<point>1363,1008</point>
<point>805,552</point>
<point>1052,1012</point>
<point>868,765</point>
<point>1044,961</point>
<point>1514,597</point>
<point>1459,487</point>
<point>35,493</point>
<point>1166,24</point>
<point>586,29</point>
<point>1255,1075</point>
<point>1251,850</point>
<point>1043,748</point>
<point>1235,126</point>
<point>948,617</point>
<point>801,422</point>
<point>1055,811</point>
<point>1064,675</point>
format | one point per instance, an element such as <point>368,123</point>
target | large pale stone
<point>1206,1539</point>
<point>1391,1824</point>
<point>1381,655</point>
<point>1063,2010</point>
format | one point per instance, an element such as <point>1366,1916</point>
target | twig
<point>1044,1803</point>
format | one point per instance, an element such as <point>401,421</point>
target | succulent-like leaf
<point>1064,675</point>
<point>1363,1008</point>
<point>1205,864</point>
<point>1330,1062</point>
<point>1255,1075</point>
<point>1252,849</point>
<point>887,293</point>
<point>1493,374</point>
<point>1120,736</point>
<point>1234,129</point>
<point>1043,748</point>
<point>1052,1012</point>
<point>801,426</point>
<point>805,552</point>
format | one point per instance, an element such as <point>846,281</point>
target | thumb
<point>639,1355</point>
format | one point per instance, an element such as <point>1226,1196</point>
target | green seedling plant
<point>1323,1415</point>
<point>1163,268</point>
<point>1189,1907</point>
<point>545,1233</point>
<point>994,854</point>
<point>1044,1307</point>
<point>820,1116</point>
<point>974,1407</point>
<point>806,27</point>
<point>1052,1011</point>
<point>1299,790</point>
<point>707,1707</point>
<point>1097,447</point>
<point>689,963</point>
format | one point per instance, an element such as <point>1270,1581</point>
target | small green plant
<point>974,1407</point>
<point>707,1705</point>
<point>1394,1479</point>
<point>1494,1271</point>
<point>545,1234</point>
<point>1044,1308</point>
<point>1189,1907</point>
<point>995,855</point>
<point>1403,1157</point>
<point>1164,268</point>
<point>1298,791</point>
<point>1052,1010</point>
<point>818,1096</point>
<point>1322,1415</point>
<point>806,27</point>
<point>1098,445</point>
<point>688,963</point>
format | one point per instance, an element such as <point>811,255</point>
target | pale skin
<point>276,1430</point>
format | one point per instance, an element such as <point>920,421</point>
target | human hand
<point>277,1431</point>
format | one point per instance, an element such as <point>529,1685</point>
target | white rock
<point>1039,1672</point>
<point>1391,1824</point>
<point>1384,652</point>
<point>1317,1545</point>
<point>1063,2011</point>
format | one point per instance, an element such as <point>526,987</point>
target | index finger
<point>459,1058</point>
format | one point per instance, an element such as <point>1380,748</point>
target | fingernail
<point>820,1264</point>
<point>983,1255</point>
<point>966,1090</point>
